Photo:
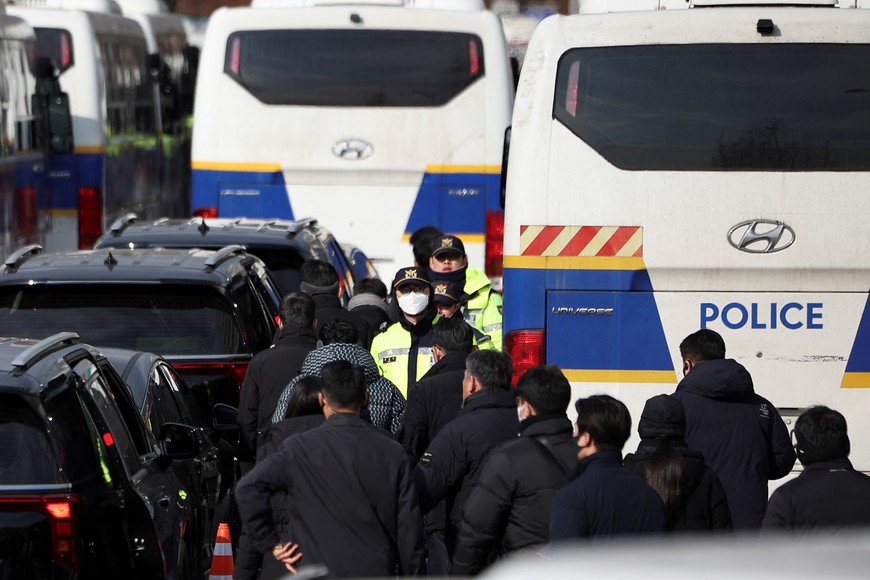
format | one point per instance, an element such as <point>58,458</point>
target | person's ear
<point>688,365</point>
<point>321,399</point>
<point>584,439</point>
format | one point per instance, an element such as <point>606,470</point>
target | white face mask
<point>520,410</point>
<point>413,303</point>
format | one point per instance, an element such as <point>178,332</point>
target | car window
<point>176,319</point>
<point>187,410</point>
<point>73,433</point>
<point>104,399</point>
<point>284,265</point>
<point>257,331</point>
<point>267,291</point>
<point>163,409</point>
<point>26,455</point>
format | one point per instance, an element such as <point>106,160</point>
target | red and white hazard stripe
<point>587,241</point>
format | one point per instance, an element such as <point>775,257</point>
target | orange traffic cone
<point>222,560</point>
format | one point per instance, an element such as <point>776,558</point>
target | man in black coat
<point>829,495</point>
<point>740,433</point>
<point>437,398</point>
<point>320,281</point>
<point>451,465</point>
<point>509,509</point>
<point>271,370</point>
<point>352,505</point>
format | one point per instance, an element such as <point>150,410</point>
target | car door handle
<point>164,501</point>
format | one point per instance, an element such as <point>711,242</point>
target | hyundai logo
<point>761,236</point>
<point>352,149</point>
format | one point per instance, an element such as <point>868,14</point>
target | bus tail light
<point>494,252</point>
<point>205,212</point>
<point>90,216</point>
<point>26,212</point>
<point>526,349</point>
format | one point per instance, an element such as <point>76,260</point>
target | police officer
<point>482,306</point>
<point>403,351</point>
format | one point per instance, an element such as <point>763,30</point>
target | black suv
<point>206,312</point>
<point>282,244</point>
<point>85,491</point>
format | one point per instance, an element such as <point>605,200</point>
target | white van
<point>684,166</point>
<point>375,117</point>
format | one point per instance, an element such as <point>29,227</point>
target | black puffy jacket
<point>509,509</point>
<point>741,435</point>
<point>451,465</point>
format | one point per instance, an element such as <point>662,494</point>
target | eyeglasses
<point>409,288</point>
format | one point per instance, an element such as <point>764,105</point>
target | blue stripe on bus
<point>455,202</point>
<point>578,340</point>
<point>859,360</point>
<point>67,172</point>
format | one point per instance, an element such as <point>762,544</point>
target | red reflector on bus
<point>26,211</point>
<point>205,212</point>
<point>526,349</point>
<point>90,216</point>
<point>494,252</point>
<point>473,58</point>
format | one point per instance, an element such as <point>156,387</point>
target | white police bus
<point>376,117</point>
<point>686,166</point>
<point>114,166</point>
<point>22,163</point>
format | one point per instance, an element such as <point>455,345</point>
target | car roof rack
<point>224,253</point>
<point>299,225</point>
<point>120,224</point>
<point>15,258</point>
<point>45,345</point>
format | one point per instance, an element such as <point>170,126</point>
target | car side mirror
<point>178,441</point>
<point>225,418</point>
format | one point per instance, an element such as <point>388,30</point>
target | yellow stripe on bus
<point>95,149</point>
<point>251,167</point>
<point>463,169</point>
<point>573,263</point>
<point>856,381</point>
<point>466,238</point>
<point>615,376</point>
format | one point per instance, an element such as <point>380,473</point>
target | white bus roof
<point>429,4</point>
<point>106,6</point>
<point>143,6</point>
<point>605,6</point>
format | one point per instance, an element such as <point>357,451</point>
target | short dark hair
<point>546,389</point>
<point>318,273</point>
<point>421,243</point>
<point>297,310</point>
<point>821,435</point>
<point>374,286</point>
<point>703,345</point>
<point>492,369</point>
<point>338,330</point>
<point>303,398</point>
<point>343,384</point>
<point>606,419</point>
<point>453,335</point>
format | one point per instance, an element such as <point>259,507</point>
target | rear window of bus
<point>354,68</point>
<point>720,107</point>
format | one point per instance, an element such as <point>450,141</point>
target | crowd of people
<point>387,439</point>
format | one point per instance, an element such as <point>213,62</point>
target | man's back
<point>352,505</point>
<point>432,403</point>
<point>509,509</point>
<point>451,465</point>
<point>606,499</point>
<point>740,434</point>
<point>827,496</point>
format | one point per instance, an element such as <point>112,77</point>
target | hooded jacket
<point>704,505</point>
<point>740,434</point>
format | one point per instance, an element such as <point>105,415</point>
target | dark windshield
<point>354,68</point>
<point>720,107</point>
<point>165,319</point>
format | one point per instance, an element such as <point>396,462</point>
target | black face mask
<point>454,277</point>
